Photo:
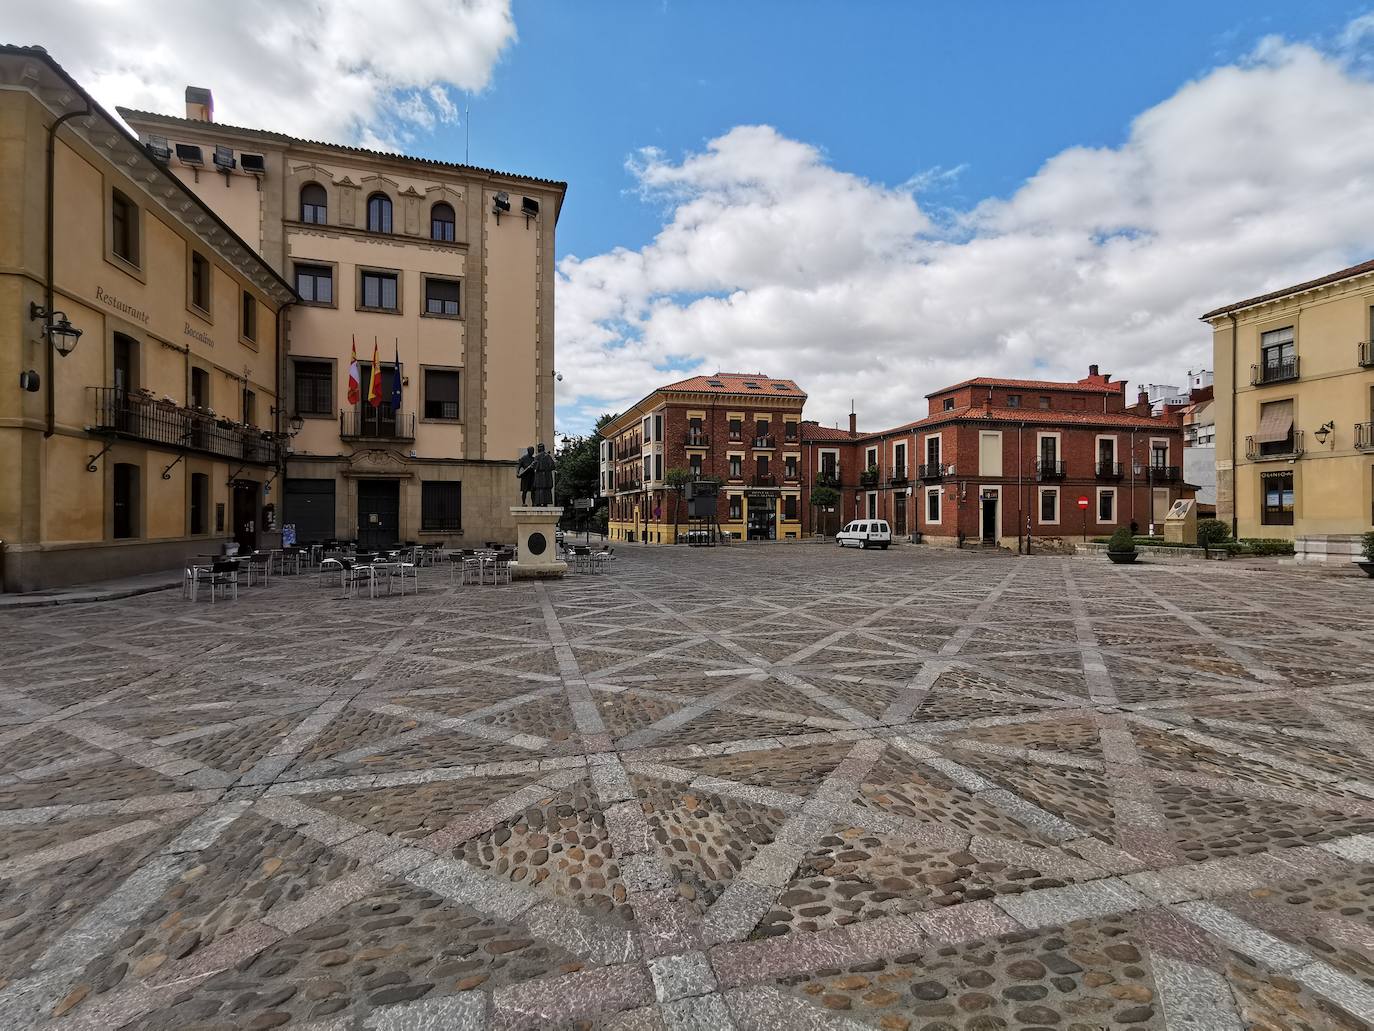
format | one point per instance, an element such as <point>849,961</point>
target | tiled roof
<point>130,114</point>
<point>814,431</point>
<point>736,383</point>
<point>1039,417</point>
<point>1311,284</point>
<point>1083,386</point>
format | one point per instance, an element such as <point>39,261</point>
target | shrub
<point>1367,544</point>
<point>1264,546</point>
<point>1212,532</point>
<point>1121,542</point>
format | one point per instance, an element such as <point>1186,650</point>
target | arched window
<point>441,222</point>
<point>379,213</point>
<point>314,204</point>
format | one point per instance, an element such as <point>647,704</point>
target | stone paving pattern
<point>750,788</point>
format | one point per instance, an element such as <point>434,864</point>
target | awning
<point>1276,422</point>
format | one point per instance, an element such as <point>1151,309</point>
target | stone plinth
<point>1180,525</point>
<point>536,541</point>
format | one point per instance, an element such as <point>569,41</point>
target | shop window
<point>1278,499</point>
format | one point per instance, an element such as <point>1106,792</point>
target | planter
<point>1122,558</point>
<point>1368,568</point>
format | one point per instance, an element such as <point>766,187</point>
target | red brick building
<point>996,459</point>
<point>741,431</point>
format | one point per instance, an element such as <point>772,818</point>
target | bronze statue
<point>524,469</point>
<point>543,477</point>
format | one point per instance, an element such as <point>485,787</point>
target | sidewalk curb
<point>80,599</point>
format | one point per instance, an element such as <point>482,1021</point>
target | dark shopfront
<point>763,517</point>
<point>379,513</point>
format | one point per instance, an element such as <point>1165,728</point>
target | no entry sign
<point>1082,501</point>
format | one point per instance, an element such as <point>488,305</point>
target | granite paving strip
<point>75,848</point>
<point>583,994</point>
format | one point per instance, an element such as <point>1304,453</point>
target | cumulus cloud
<point>1254,176</point>
<point>298,67</point>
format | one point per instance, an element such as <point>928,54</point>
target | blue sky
<point>873,199</point>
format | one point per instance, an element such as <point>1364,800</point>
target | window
<point>250,408</point>
<point>658,427</point>
<point>441,296</point>
<point>1013,400</point>
<point>379,290</point>
<point>441,222</point>
<point>789,431</point>
<point>441,506</point>
<point>1278,499</point>
<point>949,404</point>
<point>125,501</point>
<point>693,465</point>
<point>871,458</point>
<point>933,505</point>
<point>790,467</point>
<point>1049,452</point>
<point>1277,354</point>
<point>441,394</point>
<point>1159,454</point>
<point>736,467</point>
<point>932,451</point>
<point>1049,505</point>
<point>1044,402</point>
<point>379,213</point>
<point>314,393</point>
<point>123,227</point>
<point>648,469</point>
<point>658,466</point>
<point>314,204</point>
<point>200,503</point>
<point>200,281</point>
<point>789,507</point>
<point>1106,506</point>
<point>1275,431</point>
<point>315,283</point>
<point>736,507</point>
<point>899,458</point>
<point>200,388</point>
<point>249,327</point>
<point>736,429</point>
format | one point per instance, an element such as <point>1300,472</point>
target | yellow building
<point>1295,413</point>
<point>448,268</point>
<point>152,437</point>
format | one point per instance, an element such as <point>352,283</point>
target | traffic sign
<point>1082,501</point>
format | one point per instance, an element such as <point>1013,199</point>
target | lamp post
<point>56,327</point>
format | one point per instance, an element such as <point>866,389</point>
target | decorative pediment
<point>345,181</point>
<point>377,461</point>
<point>438,193</point>
<point>380,179</point>
<point>314,171</point>
<point>410,191</point>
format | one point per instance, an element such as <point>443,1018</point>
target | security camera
<point>558,376</point>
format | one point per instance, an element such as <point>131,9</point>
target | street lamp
<point>1325,431</point>
<point>57,328</point>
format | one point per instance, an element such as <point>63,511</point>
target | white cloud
<point>1257,175</point>
<point>329,72</point>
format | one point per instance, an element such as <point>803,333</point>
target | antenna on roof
<point>467,128</point>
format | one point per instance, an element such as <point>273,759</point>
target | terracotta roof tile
<point>1083,386</point>
<point>1334,277</point>
<point>736,383</point>
<point>814,431</point>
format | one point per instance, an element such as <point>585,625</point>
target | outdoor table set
<point>488,565</point>
<point>221,573</point>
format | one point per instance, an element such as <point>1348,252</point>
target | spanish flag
<point>374,381</point>
<point>354,377</point>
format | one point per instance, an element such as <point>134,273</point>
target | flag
<point>396,381</point>
<point>374,380</point>
<point>354,378</point>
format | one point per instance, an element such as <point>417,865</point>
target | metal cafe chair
<point>223,576</point>
<point>260,567</point>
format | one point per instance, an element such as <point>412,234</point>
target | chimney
<point>1142,400</point>
<point>200,104</point>
<point>853,424</point>
<point>1092,370</point>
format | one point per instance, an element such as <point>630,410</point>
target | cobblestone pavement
<point>759,788</point>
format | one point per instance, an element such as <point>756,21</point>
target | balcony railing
<point>1274,372</point>
<point>1163,473</point>
<point>899,475</point>
<point>1364,435</point>
<point>868,478</point>
<point>380,423</point>
<point>1049,469</point>
<point>697,440</point>
<point>791,475</point>
<point>828,477</point>
<point>930,471</point>
<point>627,485</point>
<point>1366,354</point>
<point>1109,470</point>
<point>764,480</point>
<point>1275,451</point>
<point>136,417</point>
<point>764,442</point>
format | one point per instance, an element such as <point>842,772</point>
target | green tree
<point>676,480</point>
<point>577,466</point>
<point>823,498</point>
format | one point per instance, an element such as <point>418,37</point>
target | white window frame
<point>925,448</point>
<point>907,461</point>
<point>937,493</point>
<point>1097,449</point>
<point>1058,506</point>
<point>1097,510</point>
<point>870,458</point>
<point>1058,444</point>
<point>1001,453</point>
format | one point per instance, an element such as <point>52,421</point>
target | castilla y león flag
<point>354,380</point>
<point>374,380</point>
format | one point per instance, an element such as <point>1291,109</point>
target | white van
<point>864,533</point>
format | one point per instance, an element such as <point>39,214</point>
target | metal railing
<point>1163,473</point>
<point>898,474</point>
<point>764,480</point>
<point>1274,372</point>
<point>380,423</point>
<point>930,471</point>
<point>1364,435</point>
<point>828,477</point>
<point>696,440</point>
<point>1277,450</point>
<point>138,417</point>
<point>1109,470</point>
<point>764,442</point>
<point>1049,469</point>
<point>1366,354</point>
<point>791,475</point>
<point>868,478</point>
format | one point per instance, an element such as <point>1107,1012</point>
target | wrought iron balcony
<point>696,440</point>
<point>1109,470</point>
<point>134,416</point>
<point>1049,469</point>
<point>380,423</point>
<point>1275,450</point>
<point>791,475</point>
<point>1163,473</point>
<point>868,478</point>
<point>761,442</point>
<point>1274,372</point>
<point>828,477</point>
<point>899,476</point>
<point>930,471</point>
<point>1364,436</point>
<point>627,485</point>
<point>764,480</point>
<point>1366,354</point>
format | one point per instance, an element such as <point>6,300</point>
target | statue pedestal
<point>538,547</point>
